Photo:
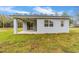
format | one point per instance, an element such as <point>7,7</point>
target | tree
<point>70,17</point>
<point>5,21</point>
<point>65,14</point>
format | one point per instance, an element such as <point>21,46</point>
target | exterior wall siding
<point>56,26</point>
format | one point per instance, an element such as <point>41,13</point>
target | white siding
<point>56,26</point>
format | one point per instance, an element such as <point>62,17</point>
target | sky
<point>38,10</point>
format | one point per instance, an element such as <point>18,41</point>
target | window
<point>48,23</point>
<point>62,23</point>
<point>51,24</point>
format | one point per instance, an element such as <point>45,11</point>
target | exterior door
<point>30,26</point>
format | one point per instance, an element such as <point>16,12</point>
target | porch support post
<point>24,26</point>
<point>15,26</point>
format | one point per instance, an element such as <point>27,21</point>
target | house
<point>41,24</point>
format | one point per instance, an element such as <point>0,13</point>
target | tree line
<point>6,21</point>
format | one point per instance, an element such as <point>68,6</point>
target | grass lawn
<point>68,42</point>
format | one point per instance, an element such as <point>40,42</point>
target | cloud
<point>46,10</point>
<point>60,13</point>
<point>12,10</point>
<point>36,10</point>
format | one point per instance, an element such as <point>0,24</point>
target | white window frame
<point>62,23</point>
<point>48,23</point>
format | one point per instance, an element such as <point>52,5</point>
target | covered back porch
<point>29,26</point>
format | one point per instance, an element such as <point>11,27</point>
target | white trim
<point>15,26</point>
<point>24,26</point>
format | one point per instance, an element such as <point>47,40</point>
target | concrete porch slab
<point>29,32</point>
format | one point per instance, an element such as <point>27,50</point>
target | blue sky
<point>38,9</point>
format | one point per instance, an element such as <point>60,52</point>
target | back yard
<point>68,42</point>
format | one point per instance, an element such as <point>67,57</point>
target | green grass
<point>67,42</point>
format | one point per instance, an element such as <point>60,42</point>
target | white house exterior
<point>56,28</point>
<point>42,24</point>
